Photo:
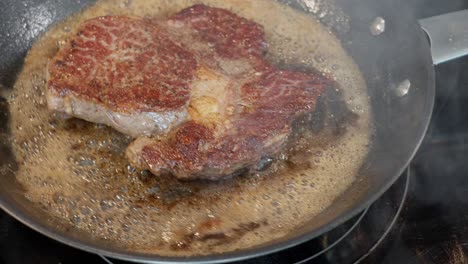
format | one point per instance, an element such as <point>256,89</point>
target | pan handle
<point>448,35</point>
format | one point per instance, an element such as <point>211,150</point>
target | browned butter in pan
<point>78,173</point>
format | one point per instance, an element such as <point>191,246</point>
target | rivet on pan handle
<point>448,34</point>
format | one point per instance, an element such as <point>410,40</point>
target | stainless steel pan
<point>386,41</point>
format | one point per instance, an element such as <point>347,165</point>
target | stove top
<point>423,218</point>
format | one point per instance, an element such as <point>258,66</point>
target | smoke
<point>450,113</point>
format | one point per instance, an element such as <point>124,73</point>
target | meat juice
<point>78,173</point>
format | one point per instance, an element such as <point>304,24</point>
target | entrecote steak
<point>195,89</point>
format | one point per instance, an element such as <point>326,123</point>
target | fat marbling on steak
<point>124,72</point>
<point>200,78</point>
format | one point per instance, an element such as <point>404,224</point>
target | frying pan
<point>397,64</point>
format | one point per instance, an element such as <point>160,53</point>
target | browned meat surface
<point>195,87</point>
<point>123,72</point>
<point>231,36</point>
<point>257,125</point>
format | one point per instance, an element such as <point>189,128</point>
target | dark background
<point>433,227</point>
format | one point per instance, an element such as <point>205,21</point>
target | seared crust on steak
<point>258,126</point>
<point>124,72</point>
<point>231,36</point>
<point>206,107</point>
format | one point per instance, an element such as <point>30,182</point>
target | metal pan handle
<point>448,35</point>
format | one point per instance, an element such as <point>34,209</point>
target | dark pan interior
<point>401,53</point>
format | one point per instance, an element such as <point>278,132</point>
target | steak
<point>124,72</point>
<point>195,89</point>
